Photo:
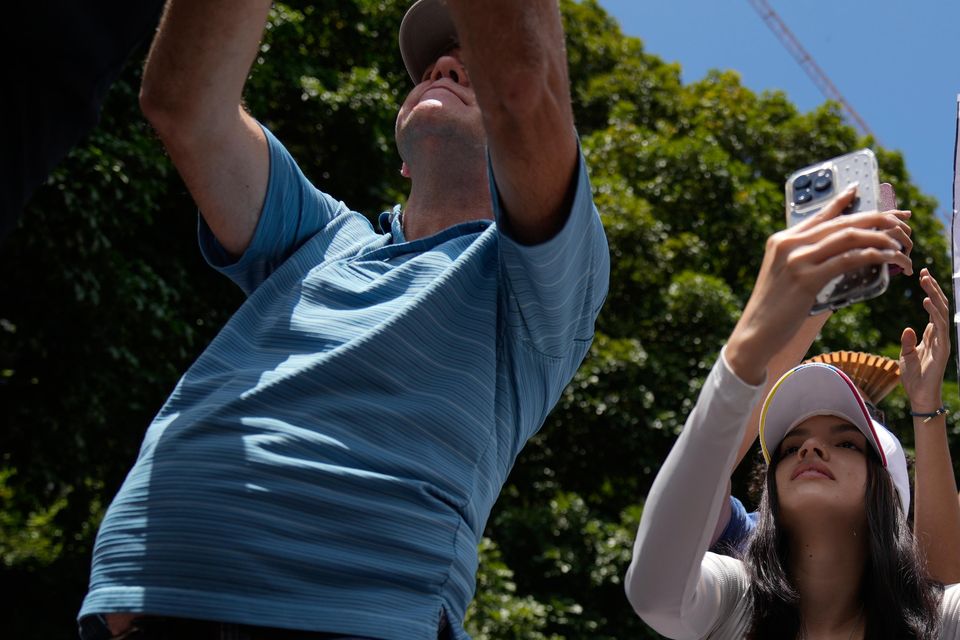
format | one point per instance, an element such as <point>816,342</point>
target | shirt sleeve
<point>669,583</point>
<point>293,212</point>
<point>555,289</point>
<point>950,610</point>
<point>737,533</point>
<point>550,295</point>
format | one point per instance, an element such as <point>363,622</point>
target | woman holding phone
<point>833,557</point>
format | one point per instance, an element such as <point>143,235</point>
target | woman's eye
<point>790,451</point>
<point>846,444</point>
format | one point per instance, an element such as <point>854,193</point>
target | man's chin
<point>433,124</point>
<point>429,103</point>
<point>442,93</point>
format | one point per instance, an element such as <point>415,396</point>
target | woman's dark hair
<point>899,600</point>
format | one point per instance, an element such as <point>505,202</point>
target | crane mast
<point>807,63</point>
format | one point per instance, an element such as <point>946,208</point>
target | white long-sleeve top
<point>676,586</point>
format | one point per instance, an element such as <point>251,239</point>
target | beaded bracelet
<point>927,417</point>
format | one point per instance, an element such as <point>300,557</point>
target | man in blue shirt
<point>326,467</point>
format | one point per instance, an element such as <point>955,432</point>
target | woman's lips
<point>811,471</point>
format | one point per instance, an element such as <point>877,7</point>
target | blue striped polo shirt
<point>330,460</point>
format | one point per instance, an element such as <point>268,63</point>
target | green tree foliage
<point>107,301</point>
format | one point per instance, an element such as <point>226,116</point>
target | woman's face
<point>823,471</point>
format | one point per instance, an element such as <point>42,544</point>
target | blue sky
<point>896,61</point>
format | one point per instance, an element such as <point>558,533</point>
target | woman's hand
<point>922,366</point>
<point>798,263</point>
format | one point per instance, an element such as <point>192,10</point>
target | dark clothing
<point>64,56</point>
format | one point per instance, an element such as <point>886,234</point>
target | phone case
<point>810,189</point>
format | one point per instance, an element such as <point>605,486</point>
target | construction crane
<point>807,63</point>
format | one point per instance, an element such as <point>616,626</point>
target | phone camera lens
<point>802,182</point>
<point>803,196</point>
<point>822,183</point>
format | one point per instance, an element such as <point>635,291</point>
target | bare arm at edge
<point>936,514</point>
<point>191,93</point>
<point>517,61</point>
<point>936,520</point>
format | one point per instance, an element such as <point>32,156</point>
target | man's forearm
<point>516,58</point>
<point>192,87</point>
<point>512,48</point>
<point>200,59</point>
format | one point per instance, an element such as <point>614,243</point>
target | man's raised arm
<point>517,61</point>
<point>191,94</point>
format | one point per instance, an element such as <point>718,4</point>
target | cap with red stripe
<point>816,389</point>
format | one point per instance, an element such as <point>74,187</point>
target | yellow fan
<point>876,376</point>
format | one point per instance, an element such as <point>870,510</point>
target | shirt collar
<point>392,222</point>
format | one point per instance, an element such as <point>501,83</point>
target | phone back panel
<point>859,167</point>
<point>810,189</point>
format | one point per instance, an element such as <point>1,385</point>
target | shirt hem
<point>380,618</point>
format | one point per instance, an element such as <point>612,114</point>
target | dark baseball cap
<point>426,32</point>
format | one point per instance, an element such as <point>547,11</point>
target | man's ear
<point>405,170</point>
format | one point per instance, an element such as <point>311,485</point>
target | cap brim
<point>426,31</point>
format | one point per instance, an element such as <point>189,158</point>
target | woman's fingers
<point>834,208</point>
<point>935,345</point>
<point>932,288</point>
<point>804,258</point>
<point>819,272</point>
<point>867,220</point>
<point>908,342</point>
<point>936,305</point>
<point>903,216</point>
<point>938,301</point>
<point>831,237</point>
<point>935,337</point>
<point>938,315</point>
<point>849,239</point>
<point>928,334</point>
<point>902,236</point>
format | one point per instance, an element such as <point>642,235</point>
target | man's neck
<point>441,197</point>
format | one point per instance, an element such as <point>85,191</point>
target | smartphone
<point>810,189</point>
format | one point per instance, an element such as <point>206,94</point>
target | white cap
<point>817,389</point>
